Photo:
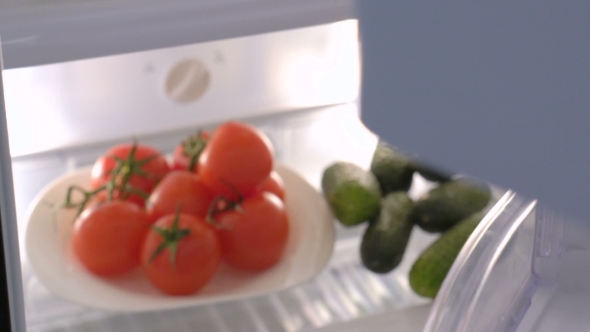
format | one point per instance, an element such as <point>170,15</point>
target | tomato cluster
<point>217,201</point>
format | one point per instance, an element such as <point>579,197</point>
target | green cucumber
<point>385,240</point>
<point>442,207</point>
<point>352,193</point>
<point>432,266</point>
<point>392,169</point>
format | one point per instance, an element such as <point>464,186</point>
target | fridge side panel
<point>9,224</point>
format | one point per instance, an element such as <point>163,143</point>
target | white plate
<point>308,250</point>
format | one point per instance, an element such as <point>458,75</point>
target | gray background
<point>496,89</point>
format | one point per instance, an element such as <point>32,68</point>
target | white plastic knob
<point>187,81</point>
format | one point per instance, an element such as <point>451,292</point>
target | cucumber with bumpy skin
<point>352,193</point>
<point>431,268</point>
<point>385,240</point>
<point>444,206</point>
<point>392,169</point>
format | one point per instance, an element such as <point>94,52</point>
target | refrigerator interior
<point>300,87</point>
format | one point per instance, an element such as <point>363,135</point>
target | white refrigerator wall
<point>113,98</point>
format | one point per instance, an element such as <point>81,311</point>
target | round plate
<point>47,241</point>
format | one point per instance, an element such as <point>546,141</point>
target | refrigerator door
<point>498,90</point>
<point>524,269</point>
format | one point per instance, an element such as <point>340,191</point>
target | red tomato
<point>254,237</point>
<point>273,184</point>
<point>107,238</point>
<point>142,164</point>
<point>183,256</point>
<point>179,188</point>
<point>190,148</point>
<point>237,156</point>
